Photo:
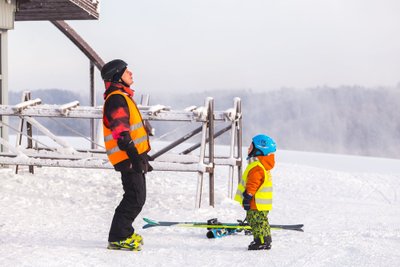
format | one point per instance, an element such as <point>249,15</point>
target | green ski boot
<point>132,243</point>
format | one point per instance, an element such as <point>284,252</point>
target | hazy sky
<point>196,45</point>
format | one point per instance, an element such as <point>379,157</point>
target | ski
<point>239,226</point>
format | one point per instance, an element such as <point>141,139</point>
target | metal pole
<point>239,136</point>
<point>19,138</point>
<point>177,142</point>
<point>29,141</point>
<point>26,96</point>
<point>79,42</point>
<point>232,155</point>
<point>144,101</point>
<point>3,82</point>
<point>220,132</point>
<point>199,189</point>
<point>211,148</point>
<point>93,132</point>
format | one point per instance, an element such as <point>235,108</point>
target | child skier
<point>255,190</point>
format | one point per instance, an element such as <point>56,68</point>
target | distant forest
<point>347,120</point>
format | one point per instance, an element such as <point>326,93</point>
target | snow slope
<point>61,217</point>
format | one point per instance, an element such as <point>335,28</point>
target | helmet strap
<point>252,159</point>
<point>123,83</point>
<point>255,152</point>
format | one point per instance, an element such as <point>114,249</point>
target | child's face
<point>250,149</point>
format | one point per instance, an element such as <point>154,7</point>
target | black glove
<point>145,162</point>
<point>140,162</point>
<point>246,200</point>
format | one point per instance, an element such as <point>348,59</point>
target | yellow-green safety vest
<point>263,197</point>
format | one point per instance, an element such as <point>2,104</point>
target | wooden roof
<point>56,10</point>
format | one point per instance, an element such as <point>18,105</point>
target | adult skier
<point>127,144</point>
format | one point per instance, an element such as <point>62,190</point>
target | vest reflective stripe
<point>263,197</point>
<point>136,130</point>
<point>140,140</point>
<point>240,190</point>
<point>112,150</point>
<point>136,126</point>
<point>108,138</point>
<point>265,189</point>
<point>132,128</point>
<point>264,201</point>
<point>116,149</point>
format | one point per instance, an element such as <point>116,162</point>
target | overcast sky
<point>196,45</point>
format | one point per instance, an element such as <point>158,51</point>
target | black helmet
<point>113,70</point>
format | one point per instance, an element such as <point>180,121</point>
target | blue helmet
<point>263,145</point>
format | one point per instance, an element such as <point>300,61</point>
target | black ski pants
<point>134,185</point>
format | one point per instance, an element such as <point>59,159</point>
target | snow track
<point>61,217</point>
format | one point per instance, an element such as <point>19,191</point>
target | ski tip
<point>147,226</point>
<point>151,222</point>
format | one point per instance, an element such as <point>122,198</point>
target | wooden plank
<point>86,112</point>
<point>96,163</point>
<point>56,10</point>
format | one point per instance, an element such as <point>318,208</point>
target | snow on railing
<point>67,156</point>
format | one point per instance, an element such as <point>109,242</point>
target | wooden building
<point>34,10</point>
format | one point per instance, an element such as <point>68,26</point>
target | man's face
<point>127,77</point>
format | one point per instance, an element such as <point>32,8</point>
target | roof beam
<point>79,42</point>
<point>28,10</point>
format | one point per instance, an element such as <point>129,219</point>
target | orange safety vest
<point>137,132</point>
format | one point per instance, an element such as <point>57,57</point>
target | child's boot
<point>261,243</point>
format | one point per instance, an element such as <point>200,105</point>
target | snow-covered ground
<point>350,207</point>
